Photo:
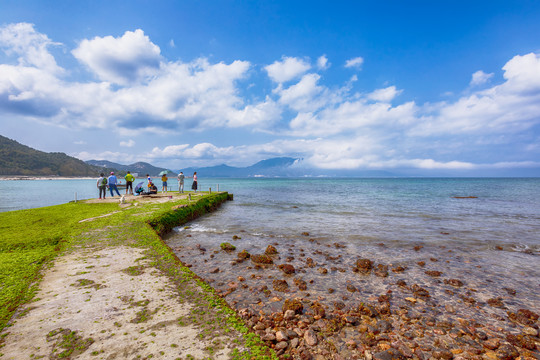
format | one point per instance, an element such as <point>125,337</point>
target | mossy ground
<point>32,238</point>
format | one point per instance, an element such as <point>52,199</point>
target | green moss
<point>59,228</point>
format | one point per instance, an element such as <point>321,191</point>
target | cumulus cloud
<point>32,47</point>
<point>355,62</point>
<point>510,107</point>
<point>480,77</point>
<point>287,69</point>
<point>322,63</point>
<point>329,126</point>
<point>121,60</point>
<point>384,95</point>
<point>129,143</point>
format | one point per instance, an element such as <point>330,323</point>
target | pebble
<point>281,336</point>
<point>530,331</point>
<point>310,337</point>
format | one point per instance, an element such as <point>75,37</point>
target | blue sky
<point>427,87</point>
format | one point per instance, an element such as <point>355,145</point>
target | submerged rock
<point>261,259</point>
<point>280,285</point>
<point>242,255</point>
<point>287,268</point>
<point>294,305</point>
<point>364,265</point>
<point>270,250</point>
<point>227,246</point>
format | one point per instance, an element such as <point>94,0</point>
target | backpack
<point>104,181</point>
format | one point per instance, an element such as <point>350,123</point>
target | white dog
<point>122,200</point>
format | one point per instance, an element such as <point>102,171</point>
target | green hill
<point>18,159</point>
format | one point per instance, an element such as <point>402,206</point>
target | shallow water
<point>489,243</point>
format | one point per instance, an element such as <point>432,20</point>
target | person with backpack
<point>129,182</point>
<point>111,182</point>
<point>102,185</point>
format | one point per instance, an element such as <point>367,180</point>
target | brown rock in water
<point>496,302</point>
<point>294,305</point>
<point>398,269</point>
<point>243,255</point>
<point>318,309</point>
<point>443,354</point>
<point>310,263</point>
<point>381,270</point>
<point>270,250</point>
<point>351,288</point>
<point>280,285</point>
<point>454,282</point>
<point>339,305</point>
<point>287,268</point>
<point>301,284</point>
<point>214,271</point>
<point>262,259</point>
<point>509,291</point>
<point>305,233</point>
<point>523,341</point>
<point>322,270</point>
<point>364,265</point>
<point>421,263</point>
<point>389,354</point>
<point>420,292</point>
<point>524,316</point>
<point>492,344</point>
<point>418,247</point>
<point>507,352</point>
<point>433,273</point>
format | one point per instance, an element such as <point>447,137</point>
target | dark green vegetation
<point>32,238</point>
<point>18,159</point>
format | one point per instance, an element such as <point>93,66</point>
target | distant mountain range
<point>141,168</point>
<point>281,167</point>
<point>18,159</point>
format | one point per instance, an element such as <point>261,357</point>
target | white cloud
<point>287,69</point>
<point>329,126</point>
<point>129,143</point>
<point>355,62</point>
<point>122,60</point>
<point>32,47</point>
<point>384,95</point>
<point>510,107</point>
<point>322,63</point>
<point>480,77</point>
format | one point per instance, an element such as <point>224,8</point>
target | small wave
<point>526,249</point>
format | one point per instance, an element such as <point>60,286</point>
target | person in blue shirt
<point>111,183</point>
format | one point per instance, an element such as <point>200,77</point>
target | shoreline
<point>309,295</point>
<point>117,291</point>
<point>45,177</point>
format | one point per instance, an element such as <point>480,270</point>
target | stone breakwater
<point>312,300</point>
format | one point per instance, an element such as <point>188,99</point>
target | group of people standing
<point>181,178</point>
<point>111,182</point>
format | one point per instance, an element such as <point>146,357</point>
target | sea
<point>484,232</point>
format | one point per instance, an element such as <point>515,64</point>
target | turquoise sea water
<point>490,242</point>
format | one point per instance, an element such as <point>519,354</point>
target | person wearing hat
<point>112,184</point>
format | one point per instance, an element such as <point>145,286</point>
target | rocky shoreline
<point>317,303</point>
